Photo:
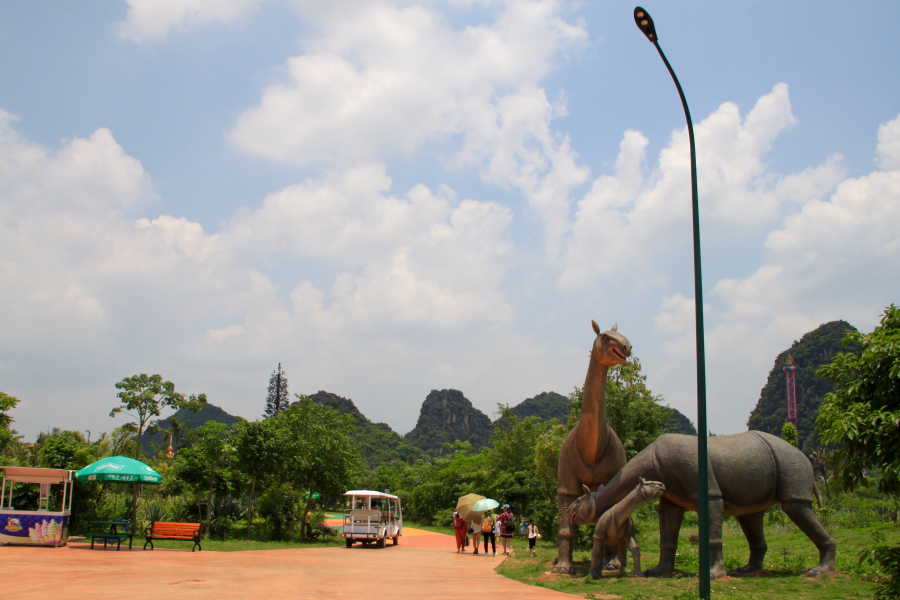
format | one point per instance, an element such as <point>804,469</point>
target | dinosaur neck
<point>630,502</point>
<point>593,432</point>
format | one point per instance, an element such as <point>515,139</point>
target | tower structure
<point>790,372</point>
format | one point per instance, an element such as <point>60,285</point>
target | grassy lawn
<point>790,554</point>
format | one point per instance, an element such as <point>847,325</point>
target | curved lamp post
<point>645,24</point>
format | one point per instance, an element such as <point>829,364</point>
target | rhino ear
<point>615,327</point>
<point>586,489</point>
<point>642,481</point>
<point>595,326</point>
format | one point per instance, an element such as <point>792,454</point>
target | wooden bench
<point>160,530</point>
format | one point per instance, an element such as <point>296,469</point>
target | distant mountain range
<point>445,417</point>
<point>209,412</point>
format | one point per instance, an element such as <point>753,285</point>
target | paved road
<point>422,566</point>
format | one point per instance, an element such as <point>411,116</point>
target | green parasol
<point>119,469</point>
<point>485,504</point>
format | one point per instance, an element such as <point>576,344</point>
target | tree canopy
<point>862,416</point>
<point>146,396</point>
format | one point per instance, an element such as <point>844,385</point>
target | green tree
<point>207,454</point>
<point>8,436</point>
<point>509,463</point>
<point>146,396</point>
<point>634,413</point>
<point>546,451</point>
<point>320,457</point>
<point>278,398</point>
<point>789,434</point>
<point>256,454</point>
<point>862,416</point>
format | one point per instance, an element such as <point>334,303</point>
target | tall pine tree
<point>278,398</point>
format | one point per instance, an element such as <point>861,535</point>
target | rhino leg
<point>563,563</point>
<point>670,517</point>
<point>752,525</point>
<point>716,516</point>
<point>804,517</point>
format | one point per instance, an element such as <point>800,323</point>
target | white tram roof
<point>370,494</point>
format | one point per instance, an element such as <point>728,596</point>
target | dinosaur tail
<point>818,495</point>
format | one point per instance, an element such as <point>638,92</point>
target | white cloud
<point>95,291</point>
<point>149,20</point>
<point>833,259</point>
<point>384,80</point>
<point>628,219</point>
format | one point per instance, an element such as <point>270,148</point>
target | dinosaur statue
<point>748,473</point>
<point>615,527</point>
<point>592,452</point>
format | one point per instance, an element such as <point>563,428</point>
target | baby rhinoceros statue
<point>615,527</point>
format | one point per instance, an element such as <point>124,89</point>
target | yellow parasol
<point>464,508</point>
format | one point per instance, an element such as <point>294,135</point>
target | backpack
<point>507,524</point>
<point>486,526</point>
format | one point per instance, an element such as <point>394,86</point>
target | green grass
<point>790,554</point>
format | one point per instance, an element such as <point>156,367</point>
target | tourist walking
<point>507,527</point>
<point>460,528</point>
<point>523,527</point>
<point>475,531</point>
<point>487,532</point>
<point>533,535</point>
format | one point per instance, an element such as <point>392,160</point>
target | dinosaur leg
<point>670,517</point>
<point>716,516</point>
<point>598,551</point>
<point>563,563</point>
<point>622,549</point>
<point>804,517</point>
<point>752,525</point>
<point>632,544</point>
<point>611,561</point>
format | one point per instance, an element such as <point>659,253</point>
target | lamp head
<point>645,23</point>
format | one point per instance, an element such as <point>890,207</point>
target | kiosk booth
<point>41,527</point>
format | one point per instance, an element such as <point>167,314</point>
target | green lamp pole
<point>645,24</point>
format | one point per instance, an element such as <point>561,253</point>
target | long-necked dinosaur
<point>615,529</point>
<point>748,473</point>
<point>592,453</point>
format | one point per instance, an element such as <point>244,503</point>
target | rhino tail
<point>818,494</point>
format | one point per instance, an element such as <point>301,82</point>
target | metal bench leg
<point>92,543</point>
<point>148,541</point>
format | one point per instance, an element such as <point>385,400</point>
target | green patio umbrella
<point>119,469</point>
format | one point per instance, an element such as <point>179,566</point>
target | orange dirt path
<point>422,566</point>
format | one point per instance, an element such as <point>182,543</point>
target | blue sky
<point>392,197</point>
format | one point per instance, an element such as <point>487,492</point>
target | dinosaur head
<point>651,490</point>
<point>584,509</point>
<point>611,348</point>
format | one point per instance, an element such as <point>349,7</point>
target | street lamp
<point>645,24</point>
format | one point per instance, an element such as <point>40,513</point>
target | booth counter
<point>42,527</point>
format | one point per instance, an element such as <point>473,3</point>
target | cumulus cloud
<point>386,79</point>
<point>85,283</point>
<point>149,20</point>
<point>629,218</point>
<point>829,260</point>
